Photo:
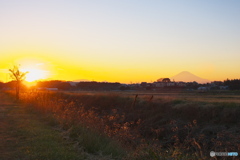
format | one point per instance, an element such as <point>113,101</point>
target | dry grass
<point>161,128</point>
<point>24,135</point>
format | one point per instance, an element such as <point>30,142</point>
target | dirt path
<point>8,142</point>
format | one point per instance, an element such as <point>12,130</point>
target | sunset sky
<point>120,40</point>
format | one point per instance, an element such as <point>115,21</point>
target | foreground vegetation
<point>124,127</point>
<point>24,135</point>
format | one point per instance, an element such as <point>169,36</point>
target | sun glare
<point>35,74</point>
<point>37,68</point>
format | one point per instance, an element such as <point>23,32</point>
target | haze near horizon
<point>186,76</point>
<point>123,41</point>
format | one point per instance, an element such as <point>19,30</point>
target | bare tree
<point>18,76</point>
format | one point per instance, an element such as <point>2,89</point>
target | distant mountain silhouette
<point>188,77</point>
<point>81,80</point>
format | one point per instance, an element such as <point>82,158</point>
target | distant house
<point>74,84</point>
<point>203,89</point>
<point>223,87</point>
<point>216,83</point>
<point>164,82</point>
<point>181,84</point>
<point>160,84</point>
<point>170,84</point>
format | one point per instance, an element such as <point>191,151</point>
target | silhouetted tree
<point>62,85</point>
<point>233,84</point>
<point>18,76</point>
<point>124,88</point>
<point>98,85</point>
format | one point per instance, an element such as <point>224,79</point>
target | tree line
<point>233,84</point>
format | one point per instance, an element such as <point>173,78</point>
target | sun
<point>35,74</point>
<point>37,68</point>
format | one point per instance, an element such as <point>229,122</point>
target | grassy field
<point>152,125</point>
<point>24,135</point>
<point>27,135</point>
<point>195,96</point>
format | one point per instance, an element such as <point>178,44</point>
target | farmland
<point>144,125</point>
<point>194,96</point>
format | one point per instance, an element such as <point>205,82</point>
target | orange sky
<point>120,41</point>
